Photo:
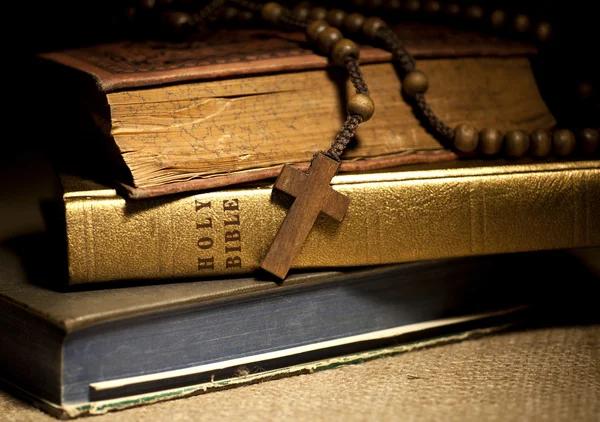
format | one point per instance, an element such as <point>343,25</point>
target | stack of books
<point>149,286</point>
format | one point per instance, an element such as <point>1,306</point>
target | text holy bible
<point>463,209</point>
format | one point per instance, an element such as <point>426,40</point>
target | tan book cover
<point>235,105</point>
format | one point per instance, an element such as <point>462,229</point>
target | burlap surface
<point>550,374</point>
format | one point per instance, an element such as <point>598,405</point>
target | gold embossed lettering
<point>233,205</point>
<point>232,236</point>
<point>206,263</point>
<point>234,262</point>
<point>205,243</point>
<point>200,205</point>
<point>205,240</point>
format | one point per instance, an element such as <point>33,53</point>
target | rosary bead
<point>362,105</point>
<point>498,18</point>
<point>371,26</point>
<point>585,90</point>
<point>543,31</point>
<point>474,12</point>
<point>230,14</point>
<point>432,7</point>
<point>374,4</point>
<point>452,9</point>
<point>318,13</point>
<point>301,12</point>
<point>130,12</point>
<point>354,22</point>
<point>517,144</point>
<point>342,49</point>
<point>412,6</point>
<point>245,16</point>
<point>522,23</point>
<point>147,4</point>
<point>335,17</point>
<point>541,143</point>
<point>415,82</point>
<point>564,142</point>
<point>589,139</point>
<point>178,21</point>
<point>490,141</point>
<point>327,39</point>
<point>315,28</point>
<point>392,4</point>
<point>271,12</point>
<point>466,138</point>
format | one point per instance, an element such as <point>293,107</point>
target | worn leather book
<point>235,105</point>
<point>427,211</point>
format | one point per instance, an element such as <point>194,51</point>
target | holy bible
<point>236,105</point>
<point>422,212</point>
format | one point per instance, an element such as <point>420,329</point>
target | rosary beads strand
<point>321,26</point>
<point>342,51</point>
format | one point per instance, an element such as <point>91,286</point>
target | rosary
<point>311,190</point>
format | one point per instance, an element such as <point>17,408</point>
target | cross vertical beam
<point>313,195</point>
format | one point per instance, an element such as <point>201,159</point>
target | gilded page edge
<point>75,187</point>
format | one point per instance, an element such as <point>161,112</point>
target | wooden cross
<point>313,195</point>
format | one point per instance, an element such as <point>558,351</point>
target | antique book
<point>78,352</point>
<point>235,105</point>
<point>425,211</point>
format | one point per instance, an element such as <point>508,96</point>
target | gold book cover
<point>419,213</point>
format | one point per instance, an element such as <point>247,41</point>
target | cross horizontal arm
<point>335,205</point>
<point>291,181</point>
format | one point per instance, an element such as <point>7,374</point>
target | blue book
<point>76,352</point>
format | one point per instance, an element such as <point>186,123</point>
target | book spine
<point>427,215</point>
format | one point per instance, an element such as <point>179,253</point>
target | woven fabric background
<point>550,374</point>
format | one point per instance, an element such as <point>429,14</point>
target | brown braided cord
<point>434,122</point>
<point>247,5</point>
<point>393,44</point>
<point>286,18</point>
<point>348,131</point>
<point>344,137</point>
<point>407,63</point>
<point>356,75</point>
<point>208,11</point>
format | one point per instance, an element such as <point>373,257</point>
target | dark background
<point>47,25</point>
<point>565,68</point>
